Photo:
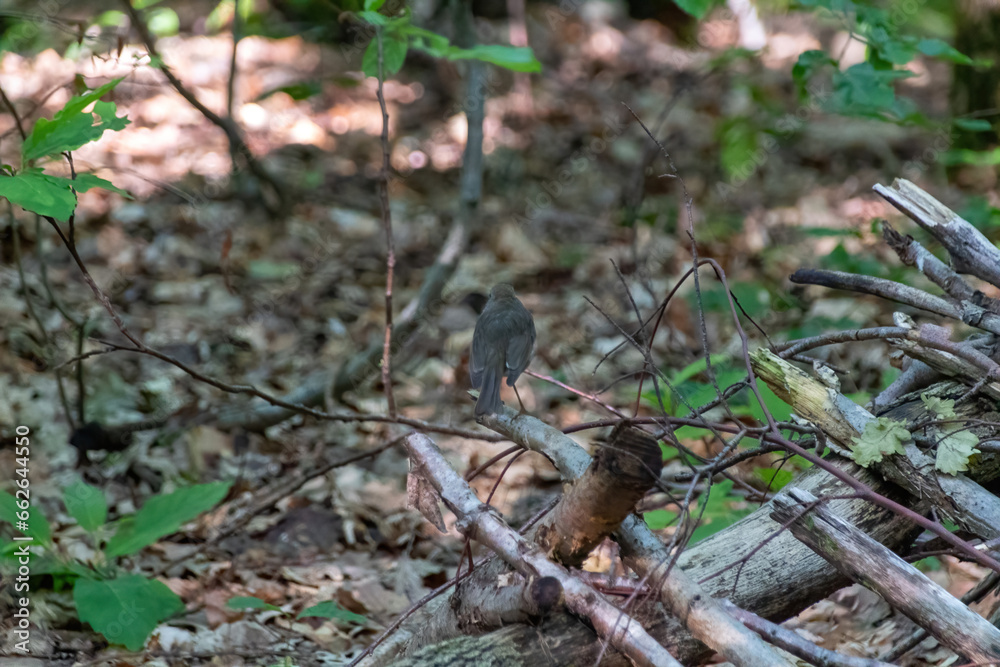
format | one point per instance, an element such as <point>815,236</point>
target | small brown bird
<point>502,345</point>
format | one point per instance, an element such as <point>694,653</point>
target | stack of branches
<point>835,523</point>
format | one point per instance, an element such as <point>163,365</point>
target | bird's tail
<point>489,393</point>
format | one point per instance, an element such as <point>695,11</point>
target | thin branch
<point>969,313</point>
<point>981,590</point>
<point>231,81</point>
<point>13,112</point>
<point>796,645</point>
<point>390,244</point>
<point>582,394</point>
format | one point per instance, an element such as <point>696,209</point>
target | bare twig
<point>695,261</point>
<point>796,645</point>
<point>13,112</point>
<point>231,81</point>
<point>912,253</point>
<point>594,398</point>
<point>390,245</point>
<point>971,252</point>
<point>964,311</point>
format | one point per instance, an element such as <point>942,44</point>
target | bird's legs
<point>523,411</point>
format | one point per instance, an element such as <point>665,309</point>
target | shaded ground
<point>213,281</point>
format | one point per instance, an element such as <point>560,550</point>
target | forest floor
<point>205,276</point>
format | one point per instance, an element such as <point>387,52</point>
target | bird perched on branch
<point>502,345</point>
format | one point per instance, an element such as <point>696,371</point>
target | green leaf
<point>87,505</point>
<point>659,519</point>
<point>774,478</point>
<point>40,193</point>
<point>690,433</point>
<point>332,610</point>
<point>85,182</point>
<point>718,512</point>
<point>739,139</point>
<point>71,128</point>
<point>881,437</point>
<point>894,51</point>
<point>808,65</point>
<point>374,18</point>
<point>937,48</point>
<point>163,22</point>
<point>111,19</point>
<point>393,54</point>
<point>516,58</point>
<point>943,408</point>
<point>696,367</point>
<point>125,610</point>
<point>954,451</point>
<point>373,5</point>
<point>297,91</point>
<point>38,525</point>
<point>973,124</point>
<point>427,41</point>
<point>780,410</point>
<point>696,8</point>
<point>988,158</point>
<point>863,90</point>
<point>249,602</point>
<point>164,515</point>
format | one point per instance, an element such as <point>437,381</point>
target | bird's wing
<point>519,349</point>
<point>477,360</point>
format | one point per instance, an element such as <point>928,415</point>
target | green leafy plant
<point>329,609</point>
<point>867,89</point>
<point>719,512</point>
<point>72,127</point>
<point>398,35</point>
<point>123,607</point>
<point>956,444</point>
<point>696,389</point>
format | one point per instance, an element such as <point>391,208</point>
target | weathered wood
<point>913,253</point>
<point>596,504</point>
<point>903,586</point>
<point>481,523</point>
<point>754,545</point>
<point>956,496</point>
<point>963,311</point>
<point>797,645</point>
<point>947,364</point>
<point>970,251</point>
<point>556,641</point>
